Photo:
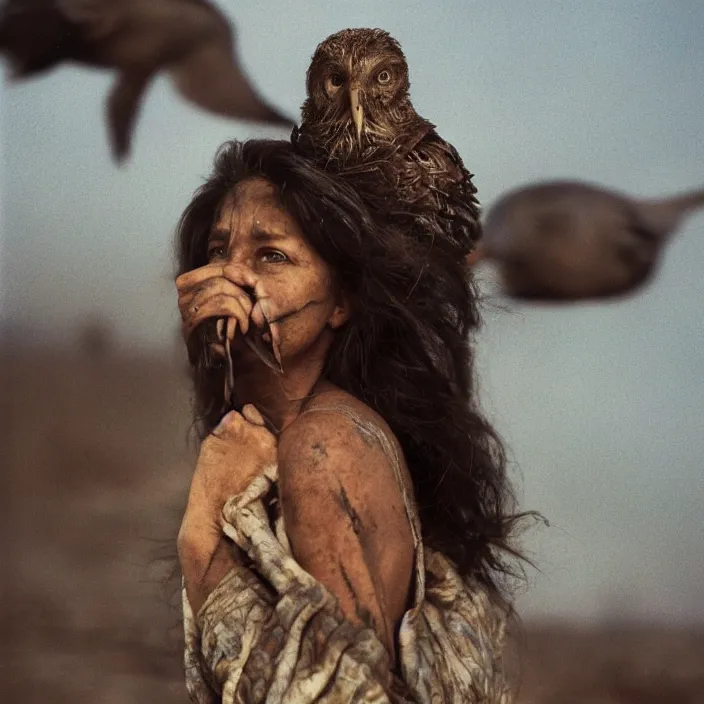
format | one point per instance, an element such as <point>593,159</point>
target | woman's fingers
<point>240,275</point>
<point>257,315</point>
<point>227,424</point>
<point>253,415</point>
<point>275,341</point>
<point>208,300</point>
<point>216,297</point>
<point>264,318</point>
<point>194,298</point>
<point>235,424</point>
<point>211,292</point>
<point>219,306</point>
<point>231,328</point>
<point>190,279</point>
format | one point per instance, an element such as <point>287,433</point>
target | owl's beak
<point>357,112</point>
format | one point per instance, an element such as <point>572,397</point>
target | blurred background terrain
<point>97,467</point>
<point>97,462</point>
<point>601,405</point>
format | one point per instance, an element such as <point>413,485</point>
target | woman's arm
<point>205,559</point>
<point>237,450</point>
<point>345,518</point>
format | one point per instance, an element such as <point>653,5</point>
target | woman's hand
<point>206,293</point>
<point>217,291</point>
<point>237,451</point>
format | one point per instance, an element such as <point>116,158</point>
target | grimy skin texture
<point>344,512</point>
<point>190,39</point>
<point>568,241</point>
<point>358,120</point>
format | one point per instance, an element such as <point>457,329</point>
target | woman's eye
<point>273,256</point>
<point>383,77</point>
<point>216,252</point>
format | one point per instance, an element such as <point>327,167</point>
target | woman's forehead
<point>254,198</point>
<point>255,187</point>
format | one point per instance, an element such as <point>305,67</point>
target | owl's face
<point>359,78</point>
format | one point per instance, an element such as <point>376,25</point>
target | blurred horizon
<point>601,405</point>
<point>97,463</point>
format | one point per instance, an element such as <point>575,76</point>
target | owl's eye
<point>333,83</point>
<point>384,77</point>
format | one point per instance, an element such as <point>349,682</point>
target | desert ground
<point>96,460</point>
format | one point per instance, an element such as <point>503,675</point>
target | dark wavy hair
<point>406,350</point>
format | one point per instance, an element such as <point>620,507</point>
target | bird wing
<point>99,18</point>
<point>34,36</point>
<point>212,78</point>
<point>123,106</point>
<point>191,39</point>
<point>147,31</point>
<point>443,190</point>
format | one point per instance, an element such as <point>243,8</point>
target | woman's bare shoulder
<point>334,467</point>
<point>342,430</point>
<point>340,456</point>
<point>338,410</point>
<point>343,507</point>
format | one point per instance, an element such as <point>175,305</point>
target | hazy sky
<point>602,406</point>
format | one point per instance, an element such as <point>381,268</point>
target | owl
<point>358,120</point>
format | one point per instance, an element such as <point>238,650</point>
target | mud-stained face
<point>265,252</point>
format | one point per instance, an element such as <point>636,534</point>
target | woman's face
<point>263,248</point>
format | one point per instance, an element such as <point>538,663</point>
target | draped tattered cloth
<point>270,632</point>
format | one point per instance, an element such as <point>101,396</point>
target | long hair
<point>405,351</point>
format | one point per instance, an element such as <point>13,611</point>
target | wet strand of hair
<point>229,391</point>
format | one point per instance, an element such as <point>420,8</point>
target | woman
<point>344,534</point>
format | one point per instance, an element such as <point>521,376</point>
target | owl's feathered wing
<point>417,181</point>
<point>438,189</point>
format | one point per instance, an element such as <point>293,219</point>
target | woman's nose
<point>241,275</point>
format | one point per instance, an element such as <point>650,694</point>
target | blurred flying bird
<point>190,39</point>
<point>358,121</point>
<point>567,240</point>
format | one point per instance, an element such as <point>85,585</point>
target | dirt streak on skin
<point>363,430</point>
<point>320,452</point>
<point>358,528</point>
<point>292,313</point>
<point>357,525</point>
<point>363,614</point>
